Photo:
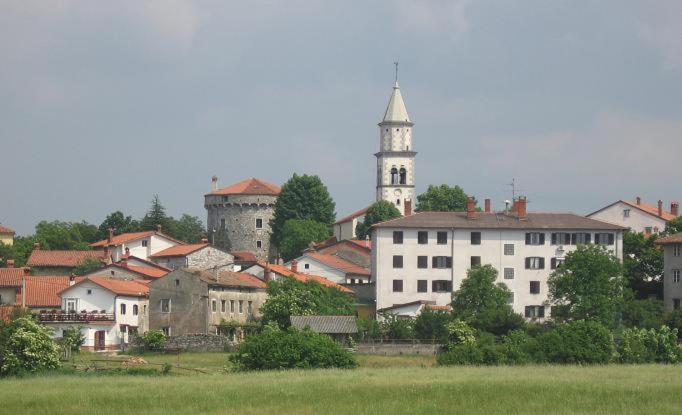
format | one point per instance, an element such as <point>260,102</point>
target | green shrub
<point>73,338</point>
<point>461,354</point>
<point>431,325</point>
<point>26,347</point>
<point>648,346</point>
<point>291,349</point>
<point>518,347</point>
<point>154,340</point>
<point>459,332</point>
<point>394,327</point>
<point>581,341</point>
<point>368,328</point>
<point>674,320</point>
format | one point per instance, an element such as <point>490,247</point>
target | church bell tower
<point>395,159</point>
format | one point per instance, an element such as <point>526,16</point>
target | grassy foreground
<point>377,387</point>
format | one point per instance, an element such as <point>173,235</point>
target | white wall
<point>637,220</point>
<point>345,230</point>
<point>155,243</point>
<point>317,268</point>
<point>671,289</point>
<point>8,295</point>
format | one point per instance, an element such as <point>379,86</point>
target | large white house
<point>139,244</point>
<point>672,270</point>
<point>421,259</point>
<point>106,310</point>
<point>637,215</point>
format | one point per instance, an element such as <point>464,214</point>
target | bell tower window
<point>403,175</point>
<point>394,176</point>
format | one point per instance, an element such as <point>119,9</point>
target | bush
<point>647,313</point>
<point>461,354</point>
<point>291,349</point>
<point>518,347</point>
<point>368,328</point>
<point>73,338</point>
<point>154,340</point>
<point>648,346</point>
<point>581,341</point>
<point>394,327</point>
<point>674,320</point>
<point>459,332</point>
<point>26,346</point>
<point>430,325</point>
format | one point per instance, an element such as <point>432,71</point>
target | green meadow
<point>201,383</point>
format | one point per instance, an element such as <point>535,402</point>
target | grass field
<point>397,385</point>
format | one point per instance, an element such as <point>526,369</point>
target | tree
<point>65,235</point>
<point>302,197</point>
<point>26,346</point>
<point>155,216</point>
<point>119,223</point>
<point>298,234</point>
<point>88,265</point>
<point>674,226</point>
<point>484,304</point>
<point>187,229</point>
<point>442,198</point>
<point>289,297</point>
<point>430,325</point>
<point>643,262</point>
<point>19,251</point>
<point>646,313</point>
<point>588,286</point>
<point>380,211</point>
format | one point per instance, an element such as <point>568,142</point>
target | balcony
<point>64,317</point>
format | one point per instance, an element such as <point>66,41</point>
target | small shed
<point>339,328</point>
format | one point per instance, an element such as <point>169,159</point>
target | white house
<point>672,270</point>
<point>131,268</point>
<point>200,256</point>
<point>106,310</point>
<point>637,215</point>
<point>139,244</point>
<point>344,228</point>
<point>424,257</point>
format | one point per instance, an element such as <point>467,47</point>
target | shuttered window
<point>535,262</point>
<point>535,238</point>
<point>441,262</point>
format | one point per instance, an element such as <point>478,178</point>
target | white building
<point>344,228</point>
<point>200,256</point>
<point>672,270</point>
<point>424,257</point>
<point>139,244</point>
<point>637,215</point>
<point>106,310</point>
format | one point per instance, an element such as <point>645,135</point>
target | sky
<point>104,104</point>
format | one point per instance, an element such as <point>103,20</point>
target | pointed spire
<point>396,110</point>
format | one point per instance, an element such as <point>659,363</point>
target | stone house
<point>195,256</point>
<point>672,270</point>
<point>195,302</point>
<point>343,262</point>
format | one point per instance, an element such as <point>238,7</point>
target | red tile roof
<point>41,290</point>
<point>251,186</point>
<point>40,258</point>
<point>245,256</point>
<point>287,272</point>
<point>338,263</point>
<point>644,207</point>
<point>127,237</point>
<point>132,288</point>
<point>150,272</point>
<point>361,242</point>
<point>229,279</point>
<point>6,312</point>
<point>344,246</point>
<point>11,277</point>
<point>671,239</point>
<point>4,229</point>
<point>352,216</point>
<point>179,250</point>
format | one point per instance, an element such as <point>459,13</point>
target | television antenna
<point>514,190</point>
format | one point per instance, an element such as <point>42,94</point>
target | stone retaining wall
<point>199,343</point>
<point>388,349</point>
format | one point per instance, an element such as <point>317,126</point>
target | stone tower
<point>238,216</point>
<point>395,159</point>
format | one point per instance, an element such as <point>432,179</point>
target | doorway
<point>99,340</point>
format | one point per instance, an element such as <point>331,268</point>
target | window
<point>259,244</point>
<point>422,262</point>
<point>397,237</point>
<point>403,175</point>
<point>556,262</point>
<point>394,176</point>
<point>677,250</point>
<point>397,202</point>
<point>535,262</point>
<point>222,223</point>
<point>535,238</point>
<point>231,306</point>
<point>510,300</point>
<point>535,311</point>
<point>441,286</point>
<point>135,309</point>
<point>165,305</point>
<point>123,328</point>
<point>535,287</point>
<point>475,261</point>
<point>241,306</point>
<point>89,292</point>
<point>676,303</point>
<point>509,273</point>
<point>580,238</point>
<point>422,237</point>
<point>259,223</point>
<point>676,275</point>
<point>71,305</point>
<point>306,266</point>
<point>442,238</point>
<point>166,331</point>
<point>422,286</point>
<point>475,238</point>
<point>249,307</point>
<point>626,213</point>
<point>397,261</point>
<point>223,306</point>
<point>145,243</point>
<point>177,283</point>
<point>397,286</point>
<point>647,229</point>
<point>441,262</point>
<point>144,309</point>
<point>604,238</point>
<point>509,249</point>
<point>214,306</point>
<point>123,308</point>
<point>561,238</point>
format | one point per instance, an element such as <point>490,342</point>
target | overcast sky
<point>103,104</point>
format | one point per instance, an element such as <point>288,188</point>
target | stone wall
<point>199,343</point>
<point>392,349</point>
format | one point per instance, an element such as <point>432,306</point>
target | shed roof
<point>326,324</point>
<point>71,258</point>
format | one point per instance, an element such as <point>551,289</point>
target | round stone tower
<point>238,216</point>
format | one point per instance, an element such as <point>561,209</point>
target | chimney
<point>471,208</point>
<point>110,237</point>
<point>36,246</point>
<point>27,271</point>
<point>158,228</point>
<point>675,209</point>
<point>660,208</point>
<point>72,279</point>
<point>488,207</point>
<point>127,252</point>
<point>639,200</point>
<point>267,274</point>
<point>521,207</point>
<point>294,266</point>
<point>408,207</point>
<point>214,183</point>
<point>10,263</point>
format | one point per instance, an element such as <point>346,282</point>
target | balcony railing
<point>57,317</point>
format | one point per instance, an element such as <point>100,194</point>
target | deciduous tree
<point>298,234</point>
<point>442,198</point>
<point>380,211</point>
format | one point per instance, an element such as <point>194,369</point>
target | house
<point>6,235</point>
<point>41,292</point>
<point>425,256</point>
<point>193,301</point>
<point>131,268</point>
<point>243,259</point>
<point>637,215</point>
<point>344,228</point>
<point>106,310</point>
<point>332,267</point>
<point>195,256</point>
<point>139,244</point>
<point>672,270</point>
<point>339,328</point>
<point>61,262</point>
<point>267,272</point>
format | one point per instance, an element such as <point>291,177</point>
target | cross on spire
<point>396,71</point>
